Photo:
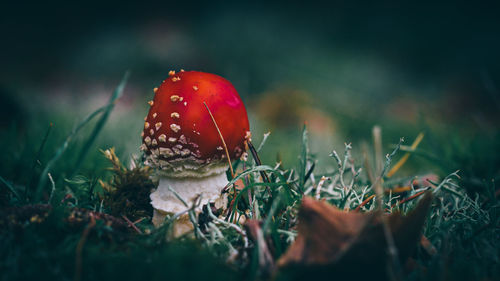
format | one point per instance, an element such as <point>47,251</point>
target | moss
<point>127,193</point>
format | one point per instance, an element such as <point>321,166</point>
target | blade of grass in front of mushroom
<point>117,93</point>
<point>222,139</point>
<point>231,204</point>
<point>258,162</point>
<point>59,152</point>
<point>270,214</point>
<point>283,182</point>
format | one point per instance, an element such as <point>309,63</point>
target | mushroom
<point>182,141</point>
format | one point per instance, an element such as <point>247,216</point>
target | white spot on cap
<point>171,73</point>
<point>175,127</point>
<point>145,118</point>
<point>155,90</point>
<point>219,148</point>
<point>166,151</point>
<point>174,115</point>
<point>155,114</point>
<point>151,132</point>
<point>143,147</point>
<point>158,126</point>
<point>244,156</point>
<point>181,98</point>
<point>162,138</point>
<point>175,79</point>
<point>147,140</point>
<point>182,139</point>
<point>146,125</point>
<point>142,134</point>
<point>172,140</point>
<point>174,98</point>
<point>182,70</point>
<point>151,102</point>
<point>154,142</point>
<point>195,88</point>
<point>185,152</point>
<point>177,149</point>
<point>185,103</point>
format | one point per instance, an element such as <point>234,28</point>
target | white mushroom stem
<point>166,202</point>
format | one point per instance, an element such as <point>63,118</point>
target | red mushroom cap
<point>179,128</point>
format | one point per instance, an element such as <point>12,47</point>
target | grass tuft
<point>98,227</point>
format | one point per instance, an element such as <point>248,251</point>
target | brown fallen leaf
<point>332,243</point>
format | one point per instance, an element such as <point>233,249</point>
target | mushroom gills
<point>165,202</point>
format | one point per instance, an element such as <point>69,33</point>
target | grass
<point>72,240</point>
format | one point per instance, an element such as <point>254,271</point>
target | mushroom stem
<point>165,201</point>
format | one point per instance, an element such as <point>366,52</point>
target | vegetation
<point>58,224</point>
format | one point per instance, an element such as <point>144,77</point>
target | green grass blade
<point>117,93</point>
<point>270,215</point>
<point>303,159</point>
<point>64,146</point>
<point>11,188</point>
<point>36,160</point>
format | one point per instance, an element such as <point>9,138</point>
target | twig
<point>409,198</point>
<point>222,139</point>
<point>364,203</point>
<point>131,224</point>
<point>320,185</point>
<point>139,220</point>
<point>399,189</point>
<point>405,157</point>
<point>79,249</point>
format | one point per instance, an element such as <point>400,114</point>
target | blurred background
<point>342,67</point>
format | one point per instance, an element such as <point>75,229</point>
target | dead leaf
<point>332,242</point>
